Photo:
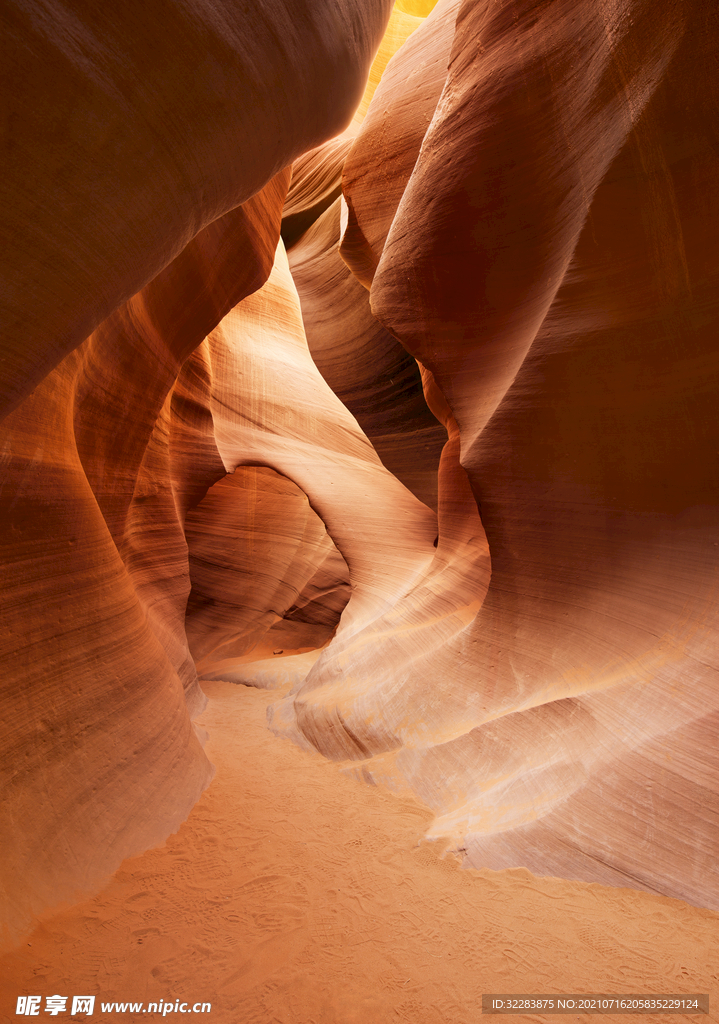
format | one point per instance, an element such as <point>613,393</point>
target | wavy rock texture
<point>375,377</point>
<point>130,227</point>
<point>316,183</point>
<point>271,407</point>
<point>96,719</point>
<point>263,568</point>
<point>537,231</point>
<point>391,137</point>
<point>95,579</point>
<point>401,26</point>
<point>173,112</point>
<point>528,240</point>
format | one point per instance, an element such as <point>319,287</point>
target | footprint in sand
<point>270,955</point>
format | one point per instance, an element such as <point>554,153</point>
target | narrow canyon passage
<point>365,354</point>
<point>294,894</point>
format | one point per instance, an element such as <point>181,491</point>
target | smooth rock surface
<point>144,176</point>
<point>132,127</point>
<point>262,567</point>
<point>368,369</point>
<point>222,449</point>
<point>550,261</point>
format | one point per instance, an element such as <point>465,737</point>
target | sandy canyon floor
<point>294,894</point>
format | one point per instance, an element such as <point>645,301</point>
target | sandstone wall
<point>224,450</point>
<point>144,173</point>
<point>531,202</point>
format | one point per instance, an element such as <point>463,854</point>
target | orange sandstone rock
<point>262,565</point>
<point>551,262</point>
<point>95,579</point>
<point>316,184</point>
<point>271,407</point>
<point>375,377</point>
<point>531,213</point>
<point>384,153</point>
<point>143,186</point>
<point>132,127</point>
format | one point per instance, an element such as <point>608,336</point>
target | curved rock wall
<point>265,574</point>
<point>132,127</point>
<point>535,228</point>
<point>95,579</point>
<point>368,369</point>
<point>516,299</point>
<point>143,185</point>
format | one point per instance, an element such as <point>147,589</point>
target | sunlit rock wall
<point>531,200</point>
<point>373,374</point>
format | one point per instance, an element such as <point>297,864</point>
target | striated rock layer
<point>101,756</point>
<point>368,369</point>
<point>132,127</point>
<point>264,571</point>
<point>223,450</point>
<point>535,222</point>
<point>143,188</point>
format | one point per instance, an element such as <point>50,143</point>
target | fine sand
<point>294,894</point>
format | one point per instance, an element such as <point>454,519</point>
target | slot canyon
<point>360,505</point>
